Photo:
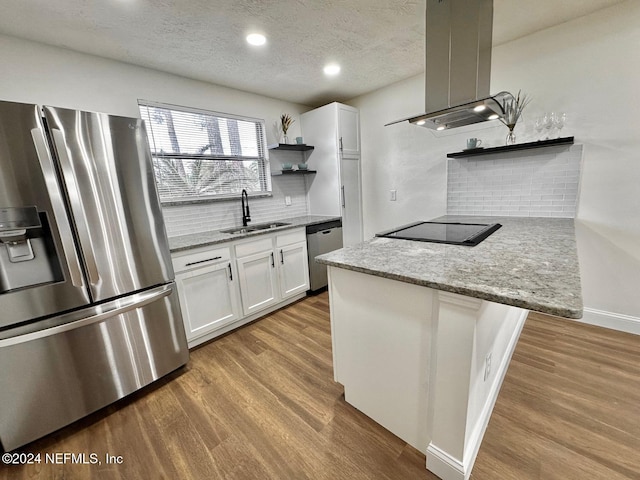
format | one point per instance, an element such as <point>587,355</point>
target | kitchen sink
<point>255,228</point>
<point>239,230</point>
<point>267,226</point>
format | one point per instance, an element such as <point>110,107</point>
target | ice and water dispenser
<point>27,256</point>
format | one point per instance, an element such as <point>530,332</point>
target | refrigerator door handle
<point>59,211</point>
<point>135,302</point>
<point>76,206</point>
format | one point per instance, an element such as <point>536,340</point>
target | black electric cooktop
<point>469,234</point>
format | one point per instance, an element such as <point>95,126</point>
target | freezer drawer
<point>82,362</point>
<point>321,239</point>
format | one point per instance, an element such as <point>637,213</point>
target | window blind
<point>199,154</point>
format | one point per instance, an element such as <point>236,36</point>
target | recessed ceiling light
<point>420,122</point>
<point>479,108</point>
<point>495,116</point>
<point>441,127</point>
<point>256,39</point>
<point>332,69</point>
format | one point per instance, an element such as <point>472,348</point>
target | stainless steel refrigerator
<point>88,305</point>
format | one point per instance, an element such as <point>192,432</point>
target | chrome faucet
<point>246,216</point>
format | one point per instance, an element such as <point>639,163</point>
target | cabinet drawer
<point>264,244</point>
<point>290,237</point>
<point>200,258</point>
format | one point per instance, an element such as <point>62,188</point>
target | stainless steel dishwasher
<point>322,238</point>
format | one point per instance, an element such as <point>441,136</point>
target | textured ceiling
<point>377,42</point>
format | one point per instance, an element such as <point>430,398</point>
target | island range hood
<point>458,66</point>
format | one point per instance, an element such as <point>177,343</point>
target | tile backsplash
<point>203,217</point>
<point>528,183</point>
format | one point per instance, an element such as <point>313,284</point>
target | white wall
<point>43,74</point>
<point>587,68</point>
<point>37,73</point>
<point>399,158</point>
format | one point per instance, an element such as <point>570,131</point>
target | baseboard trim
<point>614,321</point>
<point>443,465</point>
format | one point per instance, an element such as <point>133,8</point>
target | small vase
<point>285,139</point>
<point>511,138</point>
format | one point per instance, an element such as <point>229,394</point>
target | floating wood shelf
<point>298,147</point>
<point>512,148</point>
<point>293,172</point>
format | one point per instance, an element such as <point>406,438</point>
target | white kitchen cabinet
<point>258,281</point>
<point>272,268</point>
<point>293,269</point>
<point>348,130</point>
<point>336,188</point>
<point>208,291</point>
<point>351,195</point>
<point>257,273</point>
<point>225,286</point>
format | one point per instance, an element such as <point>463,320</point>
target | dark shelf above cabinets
<point>297,147</point>
<point>293,172</point>
<point>512,148</point>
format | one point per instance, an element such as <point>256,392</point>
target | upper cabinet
<point>348,130</point>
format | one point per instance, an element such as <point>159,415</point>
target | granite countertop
<point>530,263</point>
<point>194,240</point>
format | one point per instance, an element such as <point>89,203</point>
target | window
<point>202,155</point>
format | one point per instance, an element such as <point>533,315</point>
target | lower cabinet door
<point>258,281</point>
<point>294,269</point>
<point>209,299</point>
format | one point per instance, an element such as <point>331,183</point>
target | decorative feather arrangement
<point>285,122</point>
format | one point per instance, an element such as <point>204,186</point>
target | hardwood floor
<point>260,403</point>
<point>569,407</point>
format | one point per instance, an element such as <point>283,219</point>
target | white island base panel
<point>425,364</point>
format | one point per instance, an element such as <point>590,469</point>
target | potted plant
<point>513,107</point>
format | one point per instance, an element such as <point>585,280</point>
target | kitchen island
<point>423,332</point>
